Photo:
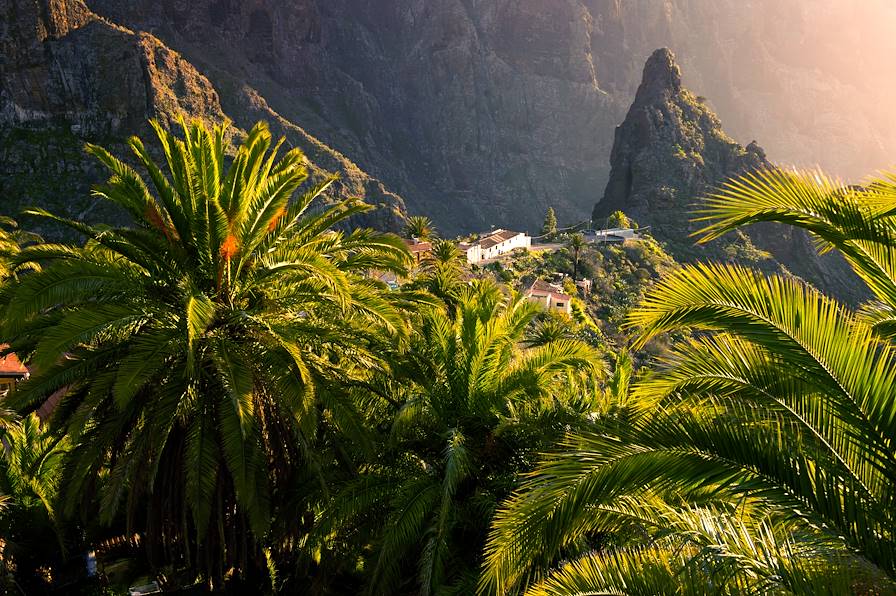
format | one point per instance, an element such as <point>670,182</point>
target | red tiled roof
<point>541,287</point>
<point>497,237</point>
<point>10,366</point>
<point>419,246</point>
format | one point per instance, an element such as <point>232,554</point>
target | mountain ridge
<point>71,76</point>
<point>487,113</point>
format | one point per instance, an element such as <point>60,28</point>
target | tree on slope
<point>419,227</point>
<point>549,228</point>
<point>187,347</point>
<point>575,245</point>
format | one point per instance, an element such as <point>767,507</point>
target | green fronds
<point>759,457</point>
<point>189,345</point>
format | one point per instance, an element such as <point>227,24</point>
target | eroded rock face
<point>669,153</point>
<point>69,76</point>
<point>480,113</point>
<point>484,113</point>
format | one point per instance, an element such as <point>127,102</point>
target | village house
<point>550,296</point>
<point>11,372</point>
<point>420,250</point>
<point>494,244</point>
<point>612,236</point>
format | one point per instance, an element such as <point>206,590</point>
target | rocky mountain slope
<point>486,112</point>
<point>68,76</point>
<point>671,151</point>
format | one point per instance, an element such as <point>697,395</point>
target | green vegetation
<point>759,457</point>
<point>419,227</point>
<point>227,384</point>
<point>618,219</point>
<point>549,229</point>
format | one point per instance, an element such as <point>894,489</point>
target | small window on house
<point>561,304</point>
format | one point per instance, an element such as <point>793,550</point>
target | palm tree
<point>420,227</point>
<point>447,253</point>
<point>186,349</point>
<point>474,406</point>
<point>760,458</point>
<point>576,243</point>
<point>30,473</point>
<point>12,240</point>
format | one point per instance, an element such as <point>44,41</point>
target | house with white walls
<point>494,244</point>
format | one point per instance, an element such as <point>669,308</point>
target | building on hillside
<point>584,286</point>
<point>420,250</point>
<point>11,372</point>
<point>550,296</point>
<point>611,236</point>
<point>494,244</point>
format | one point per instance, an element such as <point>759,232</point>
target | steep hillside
<point>671,151</point>
<point>485,113</point>
<point>68,76</point>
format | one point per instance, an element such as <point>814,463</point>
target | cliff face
<point>68,76</point>
<point>671,151</point>
<point>477,113</point>
<point>484,113</point>
<point>480,113</point>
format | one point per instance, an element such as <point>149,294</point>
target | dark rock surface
<point>486,112</point>
<point>670,152</point>
<point>68,76</point>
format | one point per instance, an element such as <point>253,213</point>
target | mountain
<point>669,152</point>
<point>475,112</point>
<point>486,112</point>
<point>69,76</point>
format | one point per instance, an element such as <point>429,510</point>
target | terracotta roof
<point>505,234</point>
<point>542,287</point>
<point>10,366</point>
<point>497,237</point>
<point>416,246</point>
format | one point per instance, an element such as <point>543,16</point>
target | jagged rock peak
<point>662,76</point>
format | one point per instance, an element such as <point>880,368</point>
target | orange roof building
<point>11,366</point>
<point>11,371</point>
<point>550,296</point>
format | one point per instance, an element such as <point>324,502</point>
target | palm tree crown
<point>192,340</point>
<point>420,227</point>
<point>760,458</point>
<point>473,401</point>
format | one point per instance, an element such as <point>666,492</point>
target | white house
<point>494,244</point>
<point>550,296</point>
<point>473,252</point>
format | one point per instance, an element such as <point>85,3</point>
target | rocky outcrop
<point>669,153</point>
<point>68,76</point>
<point>486,113</point>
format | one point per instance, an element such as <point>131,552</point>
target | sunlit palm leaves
<point>186,347</point>
<point>465,388</point>
<point>419,227</point>
<point>781,410</point>
<point>30,466</point>
<point>12,240</point>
